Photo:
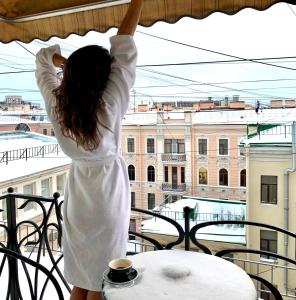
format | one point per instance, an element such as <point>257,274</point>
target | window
<point>265,294</point>
<point>269,189</point>
<point>174,146</point>
<point>133,227</point>
<point>223,147</point>
<point>151,174</point>
<point>166,174</point>
<point>203,176</point>
<point>150,145</point>
<point>268,242</point>
<point>151,201</point>
<point>46,187</point>
<point>61,180</point>
<point>133,199</point>
<point>243,177</point>
<point>202,146</point>
<point>45,131</point>
<point>182,175</point>
<point>131,172</point>
<point>131,145</point>
<point>223,177</point>
<point>29,189</point>
<point>52,132</point>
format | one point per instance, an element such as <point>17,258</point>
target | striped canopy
<point>25,20</point>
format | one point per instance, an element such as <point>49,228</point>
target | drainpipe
<point>286,199</point>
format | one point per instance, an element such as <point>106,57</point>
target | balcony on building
<point>176,188</point>
<point>174,151</point>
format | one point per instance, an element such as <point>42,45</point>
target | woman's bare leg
<point>78,294</point>
<point>94,295</point>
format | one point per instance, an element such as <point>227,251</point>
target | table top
<point>169,274</point>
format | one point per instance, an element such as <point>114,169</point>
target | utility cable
<point>215,52</point>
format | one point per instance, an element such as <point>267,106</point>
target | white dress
<point>96,209</point>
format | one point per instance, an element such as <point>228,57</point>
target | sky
<point>249,34</point>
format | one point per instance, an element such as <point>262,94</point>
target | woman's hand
<point>131,19</point>
<point>58,60</point>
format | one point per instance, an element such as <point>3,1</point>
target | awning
<point>26,20</point>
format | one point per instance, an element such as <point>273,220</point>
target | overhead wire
<point>214,52</point>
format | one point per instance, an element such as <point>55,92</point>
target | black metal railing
<point>199,217</point>
<point>13,241</point>
<point>25,153</point>
<point>173,157</point>
<point>16,241</point>
<point>171,187</point>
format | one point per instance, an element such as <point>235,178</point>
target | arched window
<point>203,176</point>
<point>223,177</point>
<point>131,172</point>
<point>22,127</point>
<point>151,174</point>
<point>243,177</point>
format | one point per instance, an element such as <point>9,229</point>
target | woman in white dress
<point>86,109</point>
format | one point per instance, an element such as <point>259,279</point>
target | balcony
<point>35,244</point>
<point>173,157</point>
<point>176,188</point>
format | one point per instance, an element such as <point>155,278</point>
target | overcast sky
<point>249,34</point>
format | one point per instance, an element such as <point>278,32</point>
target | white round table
<point>186,275</point>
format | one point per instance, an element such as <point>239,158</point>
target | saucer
<point>129,278</point>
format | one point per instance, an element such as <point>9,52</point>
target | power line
<point>219,82</point>
<point>24,48</point>
<point>226,88</point>
<point>215,52</point>
<point>216,62</point>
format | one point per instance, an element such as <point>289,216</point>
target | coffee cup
<point>119,268</point>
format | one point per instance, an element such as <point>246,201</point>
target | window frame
<point>269,246</point>
<point>227,179</point>
<point>130,145</point>
<point>149,146</point>
<point>151,173</point>
<point>201,146</point>
<point>131,176</point>
<point>221,150</point>
<point>150,197</point>
<point>199,177</point>
<point>243,178</point>
<point>269,190</point>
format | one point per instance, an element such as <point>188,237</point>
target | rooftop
<point>235,117</point>
<point>16,169</point>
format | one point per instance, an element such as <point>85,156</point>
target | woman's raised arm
<point>130,21</point>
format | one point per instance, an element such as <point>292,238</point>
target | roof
<point>205,209</point>
<point>215,117</point>
<point>17,169</point>
<point>280,135</point>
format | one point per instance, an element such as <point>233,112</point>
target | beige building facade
<point>271,190</point>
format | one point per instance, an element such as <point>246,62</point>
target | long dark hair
<point>80,107</point>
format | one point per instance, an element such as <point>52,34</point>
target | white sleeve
<point>46,75</point>
<point>123,69</point>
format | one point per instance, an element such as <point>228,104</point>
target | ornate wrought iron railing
<point>173,157</point>
<point>15,243</point>
<point>169,187</point>
<point>22,281</point>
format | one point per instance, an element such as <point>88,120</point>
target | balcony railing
<point>169,187</point>
<point>173,157</point>
<point>200,217</point>
<point>14,259</point>
<point>25,153</point>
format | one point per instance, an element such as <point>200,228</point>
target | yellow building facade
<point>271,190</point>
